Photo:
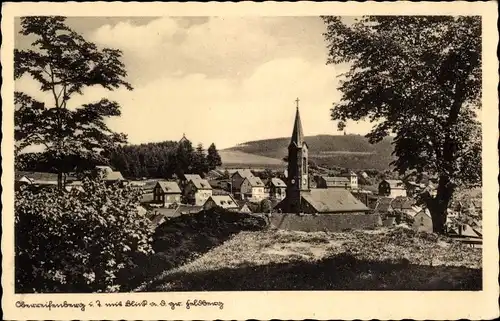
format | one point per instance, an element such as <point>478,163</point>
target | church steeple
<point>298,176</point>
<point>298,133</point>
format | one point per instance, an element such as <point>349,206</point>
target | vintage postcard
<point>249,161</point>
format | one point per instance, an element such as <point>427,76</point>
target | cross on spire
<point>297,101</point>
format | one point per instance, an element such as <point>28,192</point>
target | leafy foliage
<point>419,77</point>
<point>79,241</point>
<point>64,64</point>
<point>213,157</point>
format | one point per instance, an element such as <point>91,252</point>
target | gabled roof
<point>333,201</point>
<point>277,182</point>
<point>224,201</point>
<point>36,176</point>
<point>383,205</point>
<point>201,183</point>
<point>113,176</point>
<point>187,209</point>
<point>335,179</point>
<point>189,177</point>
<point>104,168</point>
<point>402,203</point>
<point>395,183</point>
<point>243,173</point>
<point>169,187</point>
<point>255,181</point>
<point>424,211</point>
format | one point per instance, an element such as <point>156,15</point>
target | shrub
<point>77,241</point>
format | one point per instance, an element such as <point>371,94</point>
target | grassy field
<point>239,159</point>
<point>395,259</point>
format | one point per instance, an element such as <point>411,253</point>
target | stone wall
<point>324,222</point>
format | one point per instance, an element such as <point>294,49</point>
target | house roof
<point>254,181</point>
<point>201,184</point>
<point>395,183</point>
<point>383,204</point>
<point>277,182</point>
<point>104,168</point>
<point>243,173</point>
<point>113,176</point>
<point>424,211</point>
<point>333,200</point>
<point>148,197</point>
<point>402,203</point>
<point>224,201</point>
<point>189,177</point>
<point>169,187</point>
<point>36,176</point>
<point>467,231</point>
<point>188,209</point>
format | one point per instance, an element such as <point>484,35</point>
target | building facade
<point>167,193</point>
<point>197,192</point>
<point>252,188</point>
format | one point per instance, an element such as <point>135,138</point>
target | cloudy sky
<point>216,79</point>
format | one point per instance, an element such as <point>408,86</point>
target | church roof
<point>333,201</point>
<point>298,133</point>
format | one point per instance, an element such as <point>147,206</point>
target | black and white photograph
<point>244,153</point>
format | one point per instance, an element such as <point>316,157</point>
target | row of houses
<point>45,179</point>
<point>463,224</point>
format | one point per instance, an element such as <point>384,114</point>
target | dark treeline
<point>164,160</point>
<point>158,160</point>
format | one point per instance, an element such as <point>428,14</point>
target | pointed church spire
<point>298,133</point>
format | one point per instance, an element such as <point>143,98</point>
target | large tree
<point>64,64</point>
<point>419,78</point>
<point>213,158</point>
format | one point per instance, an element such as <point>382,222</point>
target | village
<point>371,179</point>
<point>262,191</point>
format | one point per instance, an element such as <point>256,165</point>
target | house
<point>221,201</point>
<point>392,188</point>
<point>197,191</point>
<point>403,205</point>
<point>364,175</point>
<point>38,179</point>
<point>383,206</point>
<point>252,188</point>
<point>237,179</point>
<point>190,177</point>
<point>166,193</point>
<point>277,188</point>
<point>333,182</point>
<point>353,180</point>
<point>108,175</point>
<point>422,221</point>
<point>244,209</point>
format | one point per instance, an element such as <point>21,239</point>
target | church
<point>300,198</point>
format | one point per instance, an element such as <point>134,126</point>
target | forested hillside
<point>347,151</point>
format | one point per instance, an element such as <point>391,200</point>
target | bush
<point>78,241</point>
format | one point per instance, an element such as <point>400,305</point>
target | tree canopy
<point>419,78</point>
<point>64,64</point>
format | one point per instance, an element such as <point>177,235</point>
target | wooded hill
<point>346,151</point>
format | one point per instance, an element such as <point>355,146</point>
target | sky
<point>225,80</point>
